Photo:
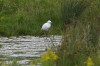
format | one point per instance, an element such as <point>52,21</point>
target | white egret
<point>46,26</point>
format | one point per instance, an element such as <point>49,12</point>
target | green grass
<point>24,17</point>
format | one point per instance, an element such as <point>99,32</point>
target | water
<point>25,48</point>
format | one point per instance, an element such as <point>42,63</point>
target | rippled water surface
<point>25,48</point>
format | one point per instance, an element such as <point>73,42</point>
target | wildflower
<point>45,57</point>
<point>50,55</point>
<point>89,62</point>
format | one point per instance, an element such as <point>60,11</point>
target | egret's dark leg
<point>45,33</point>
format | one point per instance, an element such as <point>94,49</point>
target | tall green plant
<point>72,10</point>
<point>81,36</point>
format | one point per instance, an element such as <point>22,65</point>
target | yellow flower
<point>50,55</point>
<point>89,62</point>
<point>55,57</point>
<point>45,57</point>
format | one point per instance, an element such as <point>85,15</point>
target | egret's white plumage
<point>46,26</point>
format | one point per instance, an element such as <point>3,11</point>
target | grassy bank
<point>22,17</point>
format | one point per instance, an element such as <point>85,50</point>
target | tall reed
<point>81,33</point>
